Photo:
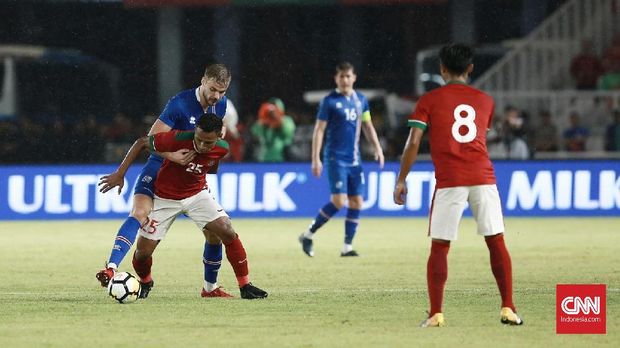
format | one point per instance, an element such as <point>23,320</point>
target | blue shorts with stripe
<point>145,183</point>
<point>345,178</point>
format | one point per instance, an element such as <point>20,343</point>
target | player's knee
<point>140,214</point>
<point>211,237</point>
<point>355,202</point>
<point>222,228</point>
<point>141,254</point>
<point>339,201</point>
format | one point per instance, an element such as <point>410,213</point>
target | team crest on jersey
<point>147,179</point>
<point>192,120</point>
<point>338,105</point>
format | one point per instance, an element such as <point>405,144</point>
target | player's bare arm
<point>214,168</point>
<point>108,182</point>
<point>410,154</point>
<point>183,156</point>
<point>371,134</point>
<point>317,143</point>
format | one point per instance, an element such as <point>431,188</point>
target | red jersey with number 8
<point>457,117</point>
<point>175,181</point>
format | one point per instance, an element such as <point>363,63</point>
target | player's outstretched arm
<point>108,182</point>
<point>183,156</point>
<point>410,154</point>
<point>371,134</point>
<point>317,143</point>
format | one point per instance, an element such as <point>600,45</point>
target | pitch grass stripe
<point>305,290</point>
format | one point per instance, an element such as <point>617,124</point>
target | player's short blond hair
<point>219,73</point>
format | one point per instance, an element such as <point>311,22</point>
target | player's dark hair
<point>219,73</point>
<point>209,122</point>
<point>344,66</point>
<point>456,58</point>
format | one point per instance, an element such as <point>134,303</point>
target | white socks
<point>210,286</point>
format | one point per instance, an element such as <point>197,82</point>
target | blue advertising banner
<point>531,188</point>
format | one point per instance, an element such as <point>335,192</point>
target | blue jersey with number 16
<point>344,116</point>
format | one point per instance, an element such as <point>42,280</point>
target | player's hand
<point>182,157</point>
<point>317,168</point>
<point>400,193</point>
<point>380,158</point>
<point>108,182</point>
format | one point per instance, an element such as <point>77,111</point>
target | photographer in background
<point>274,131</point>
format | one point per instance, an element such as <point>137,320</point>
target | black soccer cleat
<point>250,292</point>
<point>306,245</point>
<point>349,253</point>
<point>145,288</point>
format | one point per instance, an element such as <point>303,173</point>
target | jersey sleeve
<point>220,107</point>
<point>420,116</point>
<point>323,113</point>
<point>165,142</point>
<point>169,115</point>
<point>222,148</point>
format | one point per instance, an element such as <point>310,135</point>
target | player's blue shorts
<point>345,179</point>
<point>145,183</point>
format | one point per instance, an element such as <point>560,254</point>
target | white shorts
<point>450,202</point>
<point>201,208</point>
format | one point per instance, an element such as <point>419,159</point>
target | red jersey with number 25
<point>457,117</point>
<point>175,181</point>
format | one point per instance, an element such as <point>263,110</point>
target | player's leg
<point>436,277</point>
<point>355,189</point>
<point>142,262</point>
<point>486,208</point>
<point>210,216</point>
<point>237,257</point>
<point>350,224</point>
<point>212,261</point>
<point>142,205</point>
<point>337,178</point>
<point>446,212</point>
<point>126,235</point>
<point>158,222</point>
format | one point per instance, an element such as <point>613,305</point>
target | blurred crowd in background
<point>275,134</point>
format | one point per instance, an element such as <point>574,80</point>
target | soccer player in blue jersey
<point>342,115</point>
<point>180,113</point>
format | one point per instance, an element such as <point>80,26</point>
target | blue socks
<point>350,225</point>
<point>323,216</point>
<point>124,240</point>
<point>212,260</point>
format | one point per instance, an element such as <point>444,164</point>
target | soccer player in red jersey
<point>457,117</point>
<point>182,189</point>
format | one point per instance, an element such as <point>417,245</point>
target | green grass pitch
<point>49,296</point>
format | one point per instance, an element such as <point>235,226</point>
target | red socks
<point>501,267</point>
<point>235,253</point>
<point>437,274</point>
<point>143,268</point>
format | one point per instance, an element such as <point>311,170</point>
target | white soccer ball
<point>124,287</point>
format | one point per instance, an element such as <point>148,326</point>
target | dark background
<point>285,50</point>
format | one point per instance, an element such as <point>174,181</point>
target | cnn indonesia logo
<point>580,309</point>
